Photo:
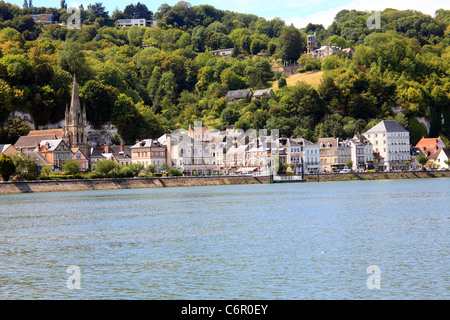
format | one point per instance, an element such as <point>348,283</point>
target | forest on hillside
<point>149,81</point>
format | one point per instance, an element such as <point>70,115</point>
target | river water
<point>281,241</point>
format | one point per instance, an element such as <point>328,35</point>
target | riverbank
<point>141,183</point>
<point>125,183</point>
<point>355,176</point>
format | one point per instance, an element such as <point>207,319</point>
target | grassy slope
<point>313,78</point>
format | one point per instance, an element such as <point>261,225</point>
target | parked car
<point>369,171</point>
<point>345,171</point>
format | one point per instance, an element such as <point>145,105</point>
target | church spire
<point>75,106</point>
<point>75,122</point>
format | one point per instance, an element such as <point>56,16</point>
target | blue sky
<point>298,12</point>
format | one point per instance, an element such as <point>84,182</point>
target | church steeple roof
<point>75,106</point>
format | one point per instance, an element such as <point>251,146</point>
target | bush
<point>126,172</point>
<point>56,177</point>
<point>175,172</point>
<point>95,175</point>
<point>30,177</point>
<point>157,174</point>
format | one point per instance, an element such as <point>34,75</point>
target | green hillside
<point>147,81</point>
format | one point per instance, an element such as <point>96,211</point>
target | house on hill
<point>128,23</point>
<point>44,18</point>
<point>222,52</point>
<point>238,95</point>
<point>259,94</point>
<point>320,52</point>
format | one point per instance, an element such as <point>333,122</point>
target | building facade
<point>334,153</point>
<point>391,140</point>
<point>149,152</point>
<point>128,23</point>
<point>361,153</point>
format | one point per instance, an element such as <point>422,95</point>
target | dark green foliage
<point>7,167</point>
<point>292,44</point>
<point>13,129</point>
<point>401,69</point>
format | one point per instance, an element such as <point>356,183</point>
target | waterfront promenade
<point>166,182</point>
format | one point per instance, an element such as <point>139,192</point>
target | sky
<point>297,12</point>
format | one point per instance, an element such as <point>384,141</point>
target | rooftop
<point>239,94</point>
<point>387,126</point>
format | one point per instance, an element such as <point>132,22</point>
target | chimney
<point>122,147</point>
<point>107,148</point>
<point>137,141</point>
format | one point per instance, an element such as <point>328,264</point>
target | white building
<point>306,150</point>
<point>223,52</point>
<point>391,140</point>
<point>128,23</point>
<point>444,155</point>
<point>361,152</point>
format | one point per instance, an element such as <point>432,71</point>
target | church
<point>74,130</point>
<point>55,146</point>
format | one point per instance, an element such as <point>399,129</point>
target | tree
<point>72,59</point>
<point>423,160</point>
<point>138,11</point>
<point>282,167</point>
<point>105,166</point>
<point>100,98</point>
<point>25,167</point>
<point>229,116</point>
<point>174,172</point>
<point>7,167</point>
<point>257,46</point>
<point>349,164</point>
<point>282,82</point>
<point>95,11</point>
<point>72,167</point>
<point>292,44</point>
<point>13,130</point>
